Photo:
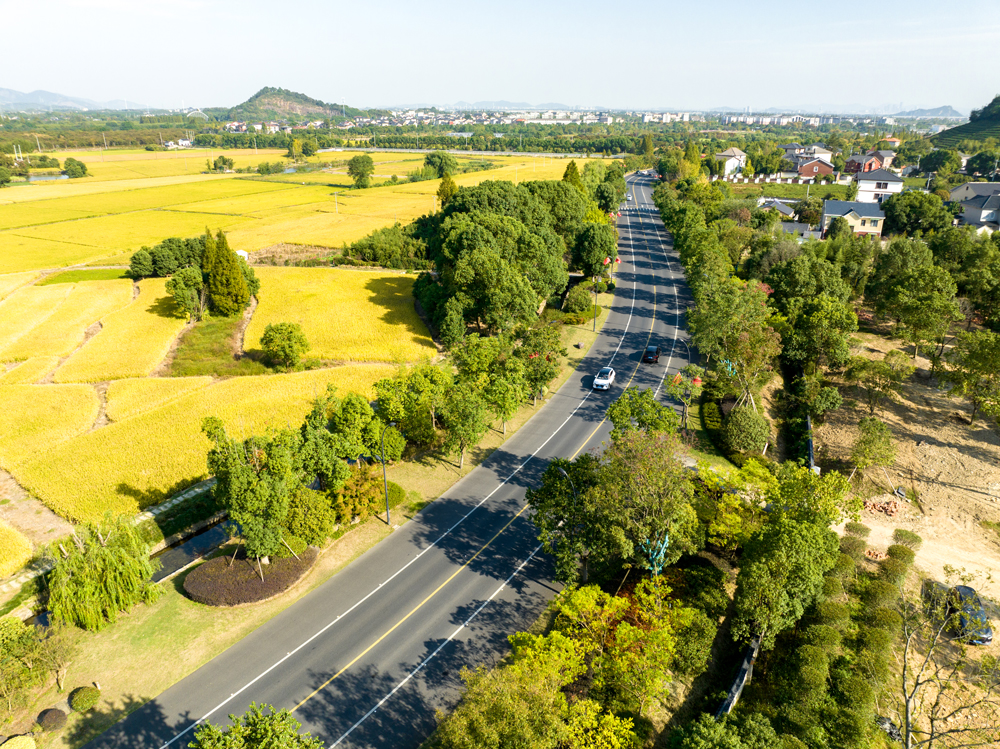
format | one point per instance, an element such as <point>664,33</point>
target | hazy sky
<point>849,55</point>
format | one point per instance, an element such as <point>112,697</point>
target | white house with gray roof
<point>733,160</point>
<point>877,185</point>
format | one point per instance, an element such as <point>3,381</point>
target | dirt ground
<point>953,466</point>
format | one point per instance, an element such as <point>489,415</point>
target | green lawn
<point>207,349</point>
<point>89,274</point>
<point>774,190</point>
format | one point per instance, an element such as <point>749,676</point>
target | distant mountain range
<point>44,100</point>
<point>945,111</point>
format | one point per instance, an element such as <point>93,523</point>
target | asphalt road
<point>366,659</point>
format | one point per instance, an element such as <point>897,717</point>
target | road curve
<point>366,659</point>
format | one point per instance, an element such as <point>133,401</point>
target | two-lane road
<point>365,659</point>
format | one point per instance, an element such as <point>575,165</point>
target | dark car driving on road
<point>651,354</point>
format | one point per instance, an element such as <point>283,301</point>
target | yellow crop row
<point>131,397</point>
<point>73,188</point>
<point>11,281</point>
<point>63,330</point>
<point>140,461</point>
<point>132,341</point>
<point>22,253</point>
<point>30,371</point>
<point>346,315</point>
<point>35,419</point>
<point>15,550</point>
<point>27,308</point>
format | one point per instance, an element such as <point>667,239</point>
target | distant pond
<point>45,177</point>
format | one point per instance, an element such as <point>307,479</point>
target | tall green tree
<point>572,175</point>
<point>974,371</point>
<point>105,571</point>
<point>188,291</point>
<point>227,287</point>
<point>447,189</point>
<point>255,480</point>
<point>874,447</point>
<point>360,168</point>
<point>926,305</point>
<point>914,211</point>
<point>637,409</point>
<point>595,244</point>
<point>466,417</point>
<point>441,162</point>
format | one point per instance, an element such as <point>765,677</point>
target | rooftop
<point>843,207</point>
<point>878,175</point>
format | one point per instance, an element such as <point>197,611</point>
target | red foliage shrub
<point>216,583</point>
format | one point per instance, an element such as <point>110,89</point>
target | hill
<point>282,104</point>
<point>983,123</point>
<point>41,101</point>
<point>945,111</point>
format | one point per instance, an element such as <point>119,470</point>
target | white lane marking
<point>439,648</point>
<point>249,684</point>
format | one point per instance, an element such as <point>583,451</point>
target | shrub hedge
<point>694,644</point>
<point>297,545</point>
<point>216,583</point>
<point>893,570</point>
<point>857,529</point>
<point>880,594</point>
<point>832,587</point>
<point>907,538</point>
<point>746,431</point>
<point>83,699</point>
<point>52,719</point>
<point>844,567</point>
<point>853,547</point>
<point>902,553</point>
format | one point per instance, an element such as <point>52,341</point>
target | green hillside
<point>983,123</point>
<point>282,104</point>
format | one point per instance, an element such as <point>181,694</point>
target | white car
<point>629,196</point>
<point>604,379</point>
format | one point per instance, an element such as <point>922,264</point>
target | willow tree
<point>104,570</point>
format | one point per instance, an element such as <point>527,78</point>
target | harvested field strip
<point>30,371</point>
<point>27,308</point>
<point>376,319</point>
<point>132,341</point>
<point>128,398</point>
<point>35,419</point>
<point>140,461</point>
<point>63,331</point>
<point>10,282</point>
<point>63,189</point>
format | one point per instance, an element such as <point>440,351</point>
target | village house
<point>733,160</point>
<point>863,218</point>
<point>877,185</point>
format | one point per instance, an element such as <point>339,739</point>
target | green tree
<point>284,343</point>
<point>594,244</point>
<point>447,189</point>
<point>874,447</point>
<point>74,169</point>
<point>188,291</point>
<point>466,417</point>
<point>746,431</point>
<point>540,349</point>
<point>852,193</point>
<point>309,147</point>
<point>809,210</point>
<point>606,197</point>
<point>974,371</point>
<point>562,514</point>
<point>686,386</point>
<point>5,176</point>
<point>638,409</point>
<point>781,575</point>
<point>504,395</point>
<point>838,227</point>
<point>255,478</point>
<point>222,164</point>
<point>879,381</point>
<point>140,265</point>
<point>572,175</point>
<point>943,161</point>
<point>227,286</point>
<point>748,168</point>
<point>257,729</point>
<point>105,571</point>
<point>644,500</point>
<point>820,332</point>
<point>441,162</point>
<point>360,168</point>
<point>914,211</point>
<point>926,306</point>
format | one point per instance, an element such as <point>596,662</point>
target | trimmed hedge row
<point>216,583</point>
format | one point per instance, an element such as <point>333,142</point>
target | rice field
<point>36,419</point>
<point>10,282</point>
<point>346,315</point>
<point>134,396</point>
<point>132,341</point>
<point>62,330</point>
<point>15,550</point>
<point>30,371</point>
<point>87,222</point>
<point>142,459</point>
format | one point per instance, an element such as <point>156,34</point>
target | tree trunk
<point>504,425</point>
<point>61,678</point>
<point>461,459</point>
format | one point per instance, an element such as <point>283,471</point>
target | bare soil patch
<point>226,582</point>
<point>279,253</point>
<point>953,467</point>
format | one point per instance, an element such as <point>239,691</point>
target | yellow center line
<point>414,610</point>
<point>649,337</point>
